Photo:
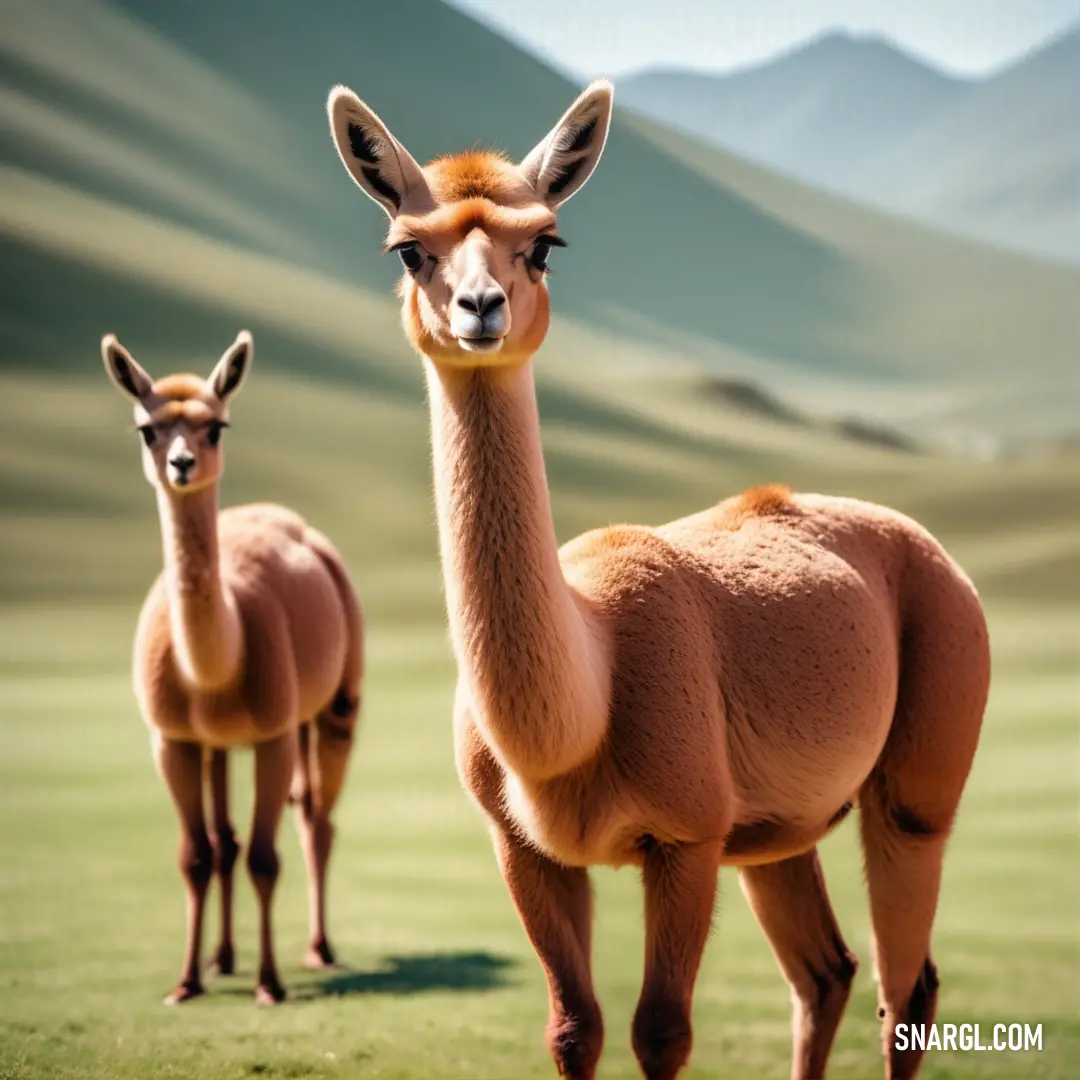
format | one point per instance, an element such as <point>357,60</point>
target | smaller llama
<point>252,636</point>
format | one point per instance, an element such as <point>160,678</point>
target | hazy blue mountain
<point>1003,163</point>
<point>997,158</point>
<point>821,111</point>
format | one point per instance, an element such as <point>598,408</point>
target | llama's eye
<point>540,255</point>
<point>541,252</point>
<point>213,432</point>
<point>148,434</point>
<point>411,257</point>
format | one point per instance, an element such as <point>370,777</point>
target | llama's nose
<point>183,461</point>
<point>481,301</point>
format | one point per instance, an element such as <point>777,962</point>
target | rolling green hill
<point>218,133</point>
<point>168,175</point>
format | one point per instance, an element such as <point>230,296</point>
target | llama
<point>720,690</point>
<point>252,635</point>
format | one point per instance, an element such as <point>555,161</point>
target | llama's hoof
<point>320,957</point>
<point>269,992</point>
<point>223,962</point>
<point>185,991</point>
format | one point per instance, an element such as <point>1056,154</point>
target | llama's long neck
<point>205,625</point>
<point>525,642</point>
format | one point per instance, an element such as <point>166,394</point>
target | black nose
<point>183,461</point>
<point>482,303</point>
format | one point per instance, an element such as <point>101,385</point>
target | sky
<point>587,38</point>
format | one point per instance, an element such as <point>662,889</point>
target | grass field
<point>440,980</point>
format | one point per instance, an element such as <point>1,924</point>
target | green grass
<point>441,980</point>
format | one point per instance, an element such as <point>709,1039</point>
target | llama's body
<point>720,690</point>
<point>251,635</point>
<point>803,616</point>
<point>296,611</point>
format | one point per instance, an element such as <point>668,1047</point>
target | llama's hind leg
<point>903,871</point>
<point>909,801</point>
<point>303,799</point>
<point>181,767</point>
<point>792,907</point>
<point>332,735</point>
<point>226,851</point>
<point>328,742</point>
<point>275,760</point>
<point>555,906</point>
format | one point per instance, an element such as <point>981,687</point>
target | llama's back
<point>828,613</point>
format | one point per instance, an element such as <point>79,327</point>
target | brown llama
<point>721,690</point>
<point>252,636</point>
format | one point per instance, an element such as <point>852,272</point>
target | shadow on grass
<point>419,974</point>
<point>402,975</point>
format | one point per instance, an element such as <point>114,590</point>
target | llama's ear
<point>382,167</point>
<point>128,375</point>
<point>231,370</point>
<point>560,164</point>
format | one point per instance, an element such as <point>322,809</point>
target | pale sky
<point>586,38</point>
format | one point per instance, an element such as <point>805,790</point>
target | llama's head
<point>473,230</point>
<point>180,418</point>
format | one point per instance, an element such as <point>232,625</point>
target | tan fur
<point>251,635</point>
<point>476,174</point>
<point>720,690</point>
<point>756,502</point>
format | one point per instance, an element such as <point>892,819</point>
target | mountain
<point>821,112</point>
<point>996,159</point>
<point>1002,163</point>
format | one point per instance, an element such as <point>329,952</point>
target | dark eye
<point>540,253</point>
<point>537,258</point>
<point>411,257</point>
<point>148,434</point>
<point>213,432</point>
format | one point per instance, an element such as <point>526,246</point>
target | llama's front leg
<point>226,851</point>
<point>555,906</point>
<point>181,767</point>
<point>274,763</point>
<point>680,889</point>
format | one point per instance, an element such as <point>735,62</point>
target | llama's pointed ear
<point>127,374</point>
<point>231,370</point>
<point>561,163</point>
<point>382,167</point>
